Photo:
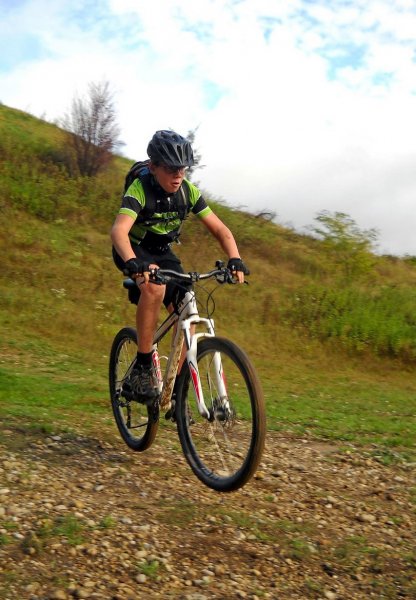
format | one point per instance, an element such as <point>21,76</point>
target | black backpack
<point>140,170</point>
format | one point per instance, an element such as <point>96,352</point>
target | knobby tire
<point>224,452</point>
<point>137,423</point>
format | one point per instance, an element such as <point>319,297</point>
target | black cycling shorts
<point>168,260</point>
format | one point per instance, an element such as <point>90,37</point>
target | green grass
<point>364,414</point>
<point>47,403</point>
<point>150,569</point>
<point>382,318</point>
<point>332,364</point>
<point>107,523</point>
<point>68,527</point>
<point>181,513</point>
<point>4,539</point>
<point>339,408</point>
<point>378,415</point>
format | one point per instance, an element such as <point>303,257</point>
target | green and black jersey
<point>165,217</point>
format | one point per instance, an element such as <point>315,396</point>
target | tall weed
<point>382,320</point>
<point>296,279</point>
<point>44,189</point>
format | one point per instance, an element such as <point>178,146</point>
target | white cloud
<point>301,106</point>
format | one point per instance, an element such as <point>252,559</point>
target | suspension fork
<point>219,375</point>
<point>191,342</point>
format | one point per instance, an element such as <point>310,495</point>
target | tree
<point>350,246</point>
<point>197,156</point>
<point>92,129</point>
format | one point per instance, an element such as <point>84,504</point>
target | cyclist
<point>142,241</point>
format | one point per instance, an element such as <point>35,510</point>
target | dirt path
<point>83,519</point>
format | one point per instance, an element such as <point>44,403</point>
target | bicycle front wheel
<point>223,451</point>
<point>136,422</point>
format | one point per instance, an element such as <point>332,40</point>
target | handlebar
<point>221,274</point>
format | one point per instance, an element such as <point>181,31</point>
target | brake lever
<point>225,276</point>
<point>156,277</point>
<point>231,279</point>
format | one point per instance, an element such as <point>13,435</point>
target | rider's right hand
<point>134,267</point>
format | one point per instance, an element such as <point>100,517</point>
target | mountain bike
<point>216,399</point>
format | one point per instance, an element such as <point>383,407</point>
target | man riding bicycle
<point>142,241</point>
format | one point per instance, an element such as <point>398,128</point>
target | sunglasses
<point>173,170</point>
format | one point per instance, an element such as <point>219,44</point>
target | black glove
<point>236,264</point>
<point>135,266</point>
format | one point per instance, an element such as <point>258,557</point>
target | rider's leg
<point>147,314</point>
<point>143,384</point>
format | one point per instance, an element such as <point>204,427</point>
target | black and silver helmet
<point>171,149</point>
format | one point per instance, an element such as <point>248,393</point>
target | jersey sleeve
<point>133,200</point>
<point>198,205</point>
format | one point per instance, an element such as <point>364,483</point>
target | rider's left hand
<point>238,268</point>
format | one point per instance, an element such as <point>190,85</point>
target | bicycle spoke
<point>224,450</point>
<point>226,464</point>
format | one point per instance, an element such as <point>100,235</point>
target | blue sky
<point>301,106</point>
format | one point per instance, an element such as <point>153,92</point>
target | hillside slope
<point>309,331</point>
<point>329,514</point>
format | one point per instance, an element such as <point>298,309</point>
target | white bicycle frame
<point>186,321</point>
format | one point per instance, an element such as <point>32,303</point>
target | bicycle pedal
<point>170,415</point>
<point>127,394</point>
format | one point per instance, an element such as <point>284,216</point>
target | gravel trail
<point>82,518</point>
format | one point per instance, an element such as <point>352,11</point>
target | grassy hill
<point>336,354</point>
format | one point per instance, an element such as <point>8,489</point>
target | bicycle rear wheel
<point>136,422</point>
<point>225,450</point>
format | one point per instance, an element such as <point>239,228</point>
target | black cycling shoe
<point>141,385</point>
<point>171,412</point>
<point>170,415</point>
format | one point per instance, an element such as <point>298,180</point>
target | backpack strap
<point>183,209</point>
<point>181,205</point>
<point>140,170</point>
<point>146,215</point>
